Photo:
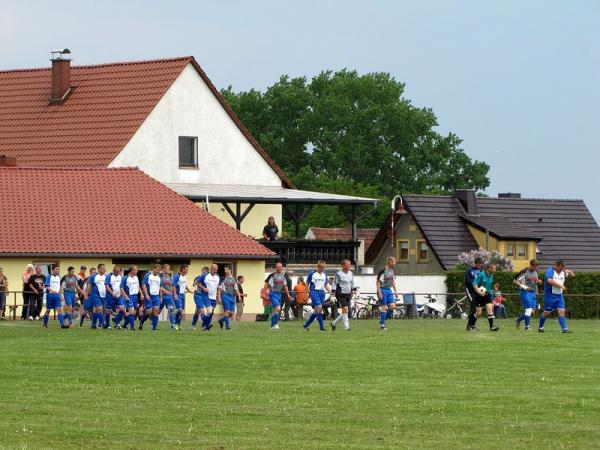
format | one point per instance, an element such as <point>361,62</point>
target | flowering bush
<point>503,264</point>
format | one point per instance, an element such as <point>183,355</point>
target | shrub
<point>503,264</point>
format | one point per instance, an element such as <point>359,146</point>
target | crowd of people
<point>120,300</point>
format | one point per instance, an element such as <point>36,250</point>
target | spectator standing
<point>36,299</point>
<point>270,230</point>
<point>239,307</point>
<point>300,297</point>
<point>268,307</point>
<point>3,292</point>
<point>498,302</point>
<point>286,299</point>
<point>26,291</point>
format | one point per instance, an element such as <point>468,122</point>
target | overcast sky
<point>518,81</point>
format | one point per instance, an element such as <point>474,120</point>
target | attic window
<point>188,151</point>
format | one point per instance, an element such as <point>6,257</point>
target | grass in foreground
<point>422,384</point>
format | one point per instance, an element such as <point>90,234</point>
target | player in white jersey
<point>343,286</point>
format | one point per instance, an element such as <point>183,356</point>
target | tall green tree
<point>342,132</point>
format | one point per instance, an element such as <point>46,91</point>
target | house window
<point>422,252</point>
<point>188,151</point>
<point>510,250</point>
<point>522,251</point>
<point>403,254</point>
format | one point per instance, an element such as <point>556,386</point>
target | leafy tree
<point>355,134</point>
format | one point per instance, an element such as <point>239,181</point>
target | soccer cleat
<point>494,328</point>
<point>275,327</point>
<point>322,329</point>
<point>194,328</point>
<point>65,327</point>
<point>333,326</point>
<point>567,332</point>
<point>209,327</point>
<point>348,329</point>
<point>306,328</point>
<point>517,323</point>
<point>383,328</point>
<point>93,328</point>
<point>527,329</point>
<point>30,317</point>
<point>540,330</point>
<point>118,327</point>
<point>45,326</point>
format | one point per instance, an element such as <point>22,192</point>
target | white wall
<point>189,108</point>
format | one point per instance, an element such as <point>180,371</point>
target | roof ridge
<point>117,63</point>
<point>73,169</point>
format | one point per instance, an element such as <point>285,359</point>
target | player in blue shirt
<point>203,306</point>
<point>151,286</point>
<point>318,283</point>
<point>470,276</point>
<point>130,291</point>
<point>180,283</point>
<point>527,280</point>
<point>96,290</point>
<point>53,300</point>
<point>554,286</point>
<point>166,294</point>
<point>115,300</point>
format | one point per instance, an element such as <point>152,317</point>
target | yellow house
<point>148,222</point>
<point>430,231</point>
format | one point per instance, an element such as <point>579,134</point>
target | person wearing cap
<point>26,291</point>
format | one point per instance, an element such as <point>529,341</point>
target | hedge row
<point>586,306</point>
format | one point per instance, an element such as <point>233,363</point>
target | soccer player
<point>554,286</point>
<point>343,286</point>
<point>318,283</point>
<point>386,281</point>
<point>96,292</point>
<point>239,306</point>
<point>151,289</point>
<point>276,283</point>
<point>211,282</point>
<point>113,287</point>
<point>483,287</point>
<point>527,280</point>
<point>180,282</point>
<point>69,288</point>
<point>130,291</point>
<point>470,276</point>
<point>227,295</point>
<point>53,300</point>
<point>203,307</point>
<point>166,294</point>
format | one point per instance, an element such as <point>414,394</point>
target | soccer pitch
<point>422,384</point>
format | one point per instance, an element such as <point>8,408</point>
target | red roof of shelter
<point>109,212</point>
<point>344,234</point>
<point>108,104</point>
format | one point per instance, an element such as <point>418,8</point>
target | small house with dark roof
<point>430,231</point>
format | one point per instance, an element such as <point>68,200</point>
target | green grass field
<point>422,384</point>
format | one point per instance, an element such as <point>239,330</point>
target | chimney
<point>467,199</point>
<point>61,75</point>
<point>509,195</point>
<point>8,161</point>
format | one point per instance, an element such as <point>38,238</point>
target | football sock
<point>227,322</point>
<point>563,322</point>
<point>178,317</point>
<point>320,320</point>
<point>520,318</point>
<point>542,321</point>
<point>527,321</point>
<point>172,318</point>
<point>70,318</point>
<point>382,316</point>
<point>61,320</point>
<point>131,318</point>
<point>81,319</point>
<point>46,319</point>
<point>101,320</point>
<point>118,317</point>
<point>94,319</point>
<point>195,319</point>
<point>274,317</point>
<point>143,319</point>
<point>346,321</point>
<point>106,320</point>
<point>154,322</point>
<point>388,314</point>
<point>310,320</point>
<point>491,321</point>
<point>337,319</point>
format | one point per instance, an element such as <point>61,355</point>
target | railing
<point>309,251</point>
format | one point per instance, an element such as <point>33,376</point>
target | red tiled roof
<point>108,104</point>
<point>344,234</point>
<point>109,212</point>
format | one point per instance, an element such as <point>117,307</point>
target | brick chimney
<point>61,75</point>
<point>8,161</point>
<point>467,199</point>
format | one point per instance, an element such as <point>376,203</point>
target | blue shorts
<point>53,301</point>
<point>132,302</point>
<point>154,302</point>
<point>70,298</point>
<point>179,303</point>
<point>168,302</point>
<point>528,299</point>
<point>118,302</point>
<point>553,302</point>
<point>213,303</point>
<point>228,302</point>
<point>97,302</point>
<point>107,302</point>
<point>275,298</point>
<point>387,296</point>
<point>317,298</point>
<point>202,301</point>
<point>88,304</point>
